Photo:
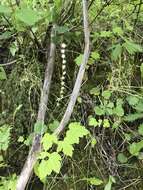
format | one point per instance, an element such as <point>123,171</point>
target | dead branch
<point>31,159</point>
<point>81,72</point>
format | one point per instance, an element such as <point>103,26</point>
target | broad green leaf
<point>139,106</point>
<point>99,111</point>
<point>54,162</point>
<point>134,148</point>
<point>43,155</point>
<point>44,169</point>
<point>78,59</point>
<point>133,117</point>
<point>79,129</point>
<point>65,147</point>
<point>109,184</point>
<point>40,127</point>
<point>132,100</point>
<point>116,53</point>
<point>28,16</point>
<point>48,140</point>
<point>95,55</point>
<point>106,94</point>
<point>122,158</point>
<point>110,105</point>
<point>4,9</point>
<point>119,111</point>
<point>140,129</point>
<point>132,47</point>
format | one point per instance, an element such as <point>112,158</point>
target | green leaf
<point>133,117</point>
<point>94,181</point>
<point>134,148</point>
<point>95,55</point>
<point>128,136</point>
<point>95,91</point>
<point>61,29</point>
<point>48,140</point>
<point>2,74</point>
<point>109,184</point>
<point>110,105</point>
<point>21,139</point>
<point>4,9</point>
<point>119,111</point>
<point>106,123</point>
<point>4,137</point>
<point>40,127</point>
<point>44,169</point>
<point>93,142</point>
<point>118,30</point>
<point>28,16</point>
<point>43,155</point>
<point>78,59</point>
<point>5,35</point>
<point>65,147</point>
<point>99,111</point>
<point>122,158</point>
<point>140,129</point>
<point>139,106</point>
<point>106,94</point>
<point>105,34</point>
<point>92,122</point>
<point>54,125</point>
<point>132,47</point>
<point>116,53</point>
<point>132,100</point>
<point>141,70</point>
<point>47,166</point>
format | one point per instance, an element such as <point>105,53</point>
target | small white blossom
<point>63,51</point>
<point>63,45</point>
<point>63,56</point>
<point>64,61</point>
<point>63,67</point>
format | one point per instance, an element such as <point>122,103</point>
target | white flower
<point>63,77</point>
<point>63,51</point>
<point>64,72</point>
<point>63,67</point>
<point>63,56</point>
<point>64,61</point>
<point>62,83</point>
<point>63,45</point>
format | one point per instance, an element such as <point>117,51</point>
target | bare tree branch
<point>81,72</point>
<point>36,146</point>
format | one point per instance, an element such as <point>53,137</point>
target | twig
<point>80,75</point>
<point>36,146</point>
<point>9,63</point>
